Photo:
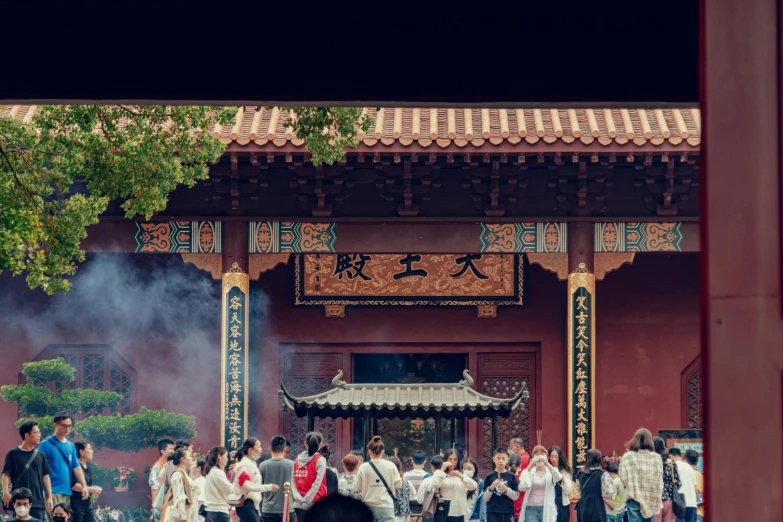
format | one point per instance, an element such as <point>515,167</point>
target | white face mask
<point>21,511</point>
<point>468,473</point>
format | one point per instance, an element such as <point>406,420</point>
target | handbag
<point>678,500</point>
<point>388,490</point>
<point>700,499</point>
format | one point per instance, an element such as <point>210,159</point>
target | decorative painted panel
<point>409,279</point>
<point>70,359</point>
<point>638,237</point>
<point>235,345</point>
<point>272,237</point>
<point>547,237</point>
<point>195,237</point>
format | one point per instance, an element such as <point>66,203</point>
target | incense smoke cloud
<point>161,315</point>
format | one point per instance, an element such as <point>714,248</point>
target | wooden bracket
<point>605,262</point>
<point>212,263</point>
<point>555,263</point>
<point>260,263</point>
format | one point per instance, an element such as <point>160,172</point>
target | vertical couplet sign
<point>581,364</point>
<point>234,349</point>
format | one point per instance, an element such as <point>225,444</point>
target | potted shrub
<point>124,478</point>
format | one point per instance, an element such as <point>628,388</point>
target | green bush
<point>119,432</point>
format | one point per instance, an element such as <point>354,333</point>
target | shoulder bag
<point>678,500</point>
<point>65,459</point>
<point>20,475</point>
<point>388,490</point>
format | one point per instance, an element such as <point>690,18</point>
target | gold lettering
<point>235,332</point>
<point>581,443</point>
<point>234,359</point>
<point>234,442</point>
<point>581,456</point>
<point>234,346</point>
<point>581,428</point>
<point>580,359</point>
<point>580,403</point>
<point>582,345</point>
<point>235,318</point>
<point>581,416</point>
<point>580,302</point>
<point>235,373</point>
<point>233,428</point>
<point>235,401</point>
<point>235,304</point>
<point>582,317</point>
<point>581,374</point>
<point>235,415</point>
<point>236,387</point>
<point>580,332</point>
<point>581,388</point>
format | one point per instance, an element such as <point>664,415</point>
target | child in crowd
<point>501,489</point>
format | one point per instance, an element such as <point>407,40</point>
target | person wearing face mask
<point>62,513</point>
<point>476,506</point>
<point>247,480</point>
<point>538,482</point>
<point>22,501</point>
<point>453,487</point>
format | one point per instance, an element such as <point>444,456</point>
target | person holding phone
<point>538,482</point>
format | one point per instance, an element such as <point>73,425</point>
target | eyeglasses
<point>66,426</point>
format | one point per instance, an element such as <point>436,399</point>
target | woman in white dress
<point>453,486</point>
<point>181,498</point>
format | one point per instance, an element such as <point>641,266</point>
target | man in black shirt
<point>501,490</point>
<point>25,467</point>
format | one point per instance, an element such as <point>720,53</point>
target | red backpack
<point>304,477</point>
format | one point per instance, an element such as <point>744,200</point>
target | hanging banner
<point>581,364</point>
<point>234,353</point>
<point>409,279</point>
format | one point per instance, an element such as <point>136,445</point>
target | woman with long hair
<point>309,471</point>
<point>62,512</point>
<point>217,487</point>
<point>331,478</point>
<point>538,482</point>
<point>453,486</point>
<point>671,480</point>
<point>596,489</point>
<point>562,488</point>
<point>180,501</point>
<point>247,480</point>
<point>402,499</point>
<point>376,482</point>
<point>477,508</point>
<point>199,481</point>
<point>642,472</point>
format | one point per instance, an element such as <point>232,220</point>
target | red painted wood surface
<point>741,271</point>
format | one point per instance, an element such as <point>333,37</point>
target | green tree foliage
<point>121,432</point>
<point>60,169</point>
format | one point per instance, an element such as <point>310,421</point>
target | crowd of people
<point>52,480</point>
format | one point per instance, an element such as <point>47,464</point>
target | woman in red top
<point>309,472</point>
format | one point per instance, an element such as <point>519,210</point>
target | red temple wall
<point>647,327</point>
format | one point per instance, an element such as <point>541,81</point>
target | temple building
<point>500,249</point>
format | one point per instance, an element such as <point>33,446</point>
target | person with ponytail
<point>309,472</point>
<point>247,480</point>
<point>377,482</point>
<point>217,488</point>
<point>453,486</point>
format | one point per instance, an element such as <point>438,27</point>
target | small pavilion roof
<point>418,400</point>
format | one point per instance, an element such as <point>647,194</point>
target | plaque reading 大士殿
<point>409,279</point>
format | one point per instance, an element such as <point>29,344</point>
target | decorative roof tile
<point>463,127</point>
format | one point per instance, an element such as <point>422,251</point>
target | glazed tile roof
<point>402,400</point>
<point>474,127</point>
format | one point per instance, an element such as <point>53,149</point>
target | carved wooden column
<point>581,342</point>
<point>234,339</point>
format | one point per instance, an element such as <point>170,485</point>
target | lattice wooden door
<point>309,374</point>
<point>502,376</point>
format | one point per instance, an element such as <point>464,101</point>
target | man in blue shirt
<point>63,460</point>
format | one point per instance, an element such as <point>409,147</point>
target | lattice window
<point>692,398</point>
<point>302,387</point>
<point>516,425</point>
<point>98,367</point>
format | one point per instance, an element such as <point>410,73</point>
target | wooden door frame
<point>346,350</point>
